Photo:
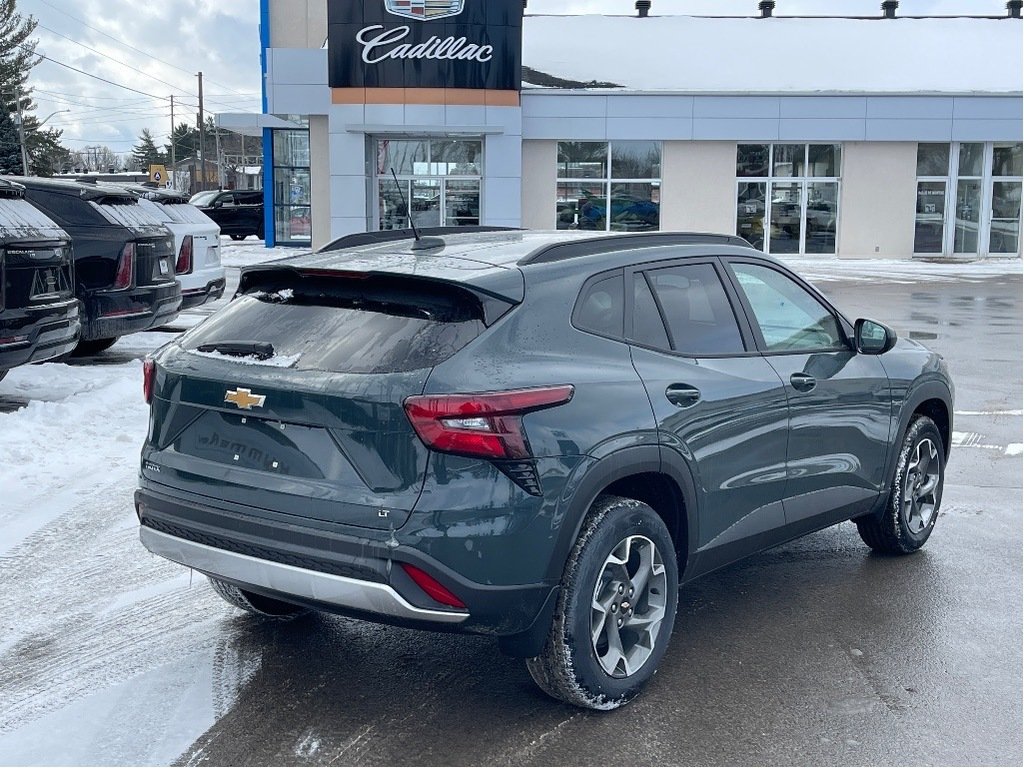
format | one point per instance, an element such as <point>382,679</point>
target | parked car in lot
<point>124,258</point>
<point>238,213</point>
<point>196,241</point>
<point>39,315</point>
<point>535,436</point>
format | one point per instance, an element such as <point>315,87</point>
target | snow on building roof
<point>775,55</point>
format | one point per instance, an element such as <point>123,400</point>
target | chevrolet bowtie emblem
<point>244,399</point>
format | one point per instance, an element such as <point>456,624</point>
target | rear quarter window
<point>376,326</point>
<point>66,208</point>
<point>601,307</point>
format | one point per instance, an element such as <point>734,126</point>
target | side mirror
<point>874,338</point>
<point>218,204</point>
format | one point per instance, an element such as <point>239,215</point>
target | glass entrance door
<point>439,180</point>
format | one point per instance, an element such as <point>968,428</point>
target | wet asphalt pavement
<point>817,652</point>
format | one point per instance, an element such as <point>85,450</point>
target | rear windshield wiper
<point>261,350</point>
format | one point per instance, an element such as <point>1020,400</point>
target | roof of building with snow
<point>694,54</point>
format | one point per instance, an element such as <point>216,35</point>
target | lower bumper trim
<point>326,588</point>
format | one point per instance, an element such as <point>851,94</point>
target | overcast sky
<point>156,47</point>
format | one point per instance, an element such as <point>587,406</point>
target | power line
<point>95,77</point>
<point>116,61</point>
<point>147,54</point>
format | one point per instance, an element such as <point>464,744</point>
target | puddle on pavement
<point>923,335</point>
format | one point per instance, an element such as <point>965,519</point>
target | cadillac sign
<point>424,10</point>
<point>466,44</point>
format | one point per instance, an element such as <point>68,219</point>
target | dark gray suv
<point>535,436</point>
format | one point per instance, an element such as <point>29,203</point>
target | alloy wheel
<point>921,486</point>
<point>628,606</point>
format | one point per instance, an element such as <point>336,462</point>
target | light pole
<point>20,121</point>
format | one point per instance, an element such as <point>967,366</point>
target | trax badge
<point>244,399</point>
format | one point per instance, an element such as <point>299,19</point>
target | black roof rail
<point>395,235</point>
<point>574,249</point>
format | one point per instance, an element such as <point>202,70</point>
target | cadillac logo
<point>244,399</point>
<point>425,10</point>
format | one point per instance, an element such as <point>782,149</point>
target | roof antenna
<point>422,243</point>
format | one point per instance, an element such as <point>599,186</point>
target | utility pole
<point>202,137</point>
<point>173,152</point>
<point>21,133</point>
<point>220,175</point>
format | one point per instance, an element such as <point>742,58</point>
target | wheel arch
<point>637,473</point>
<point>934,400</point>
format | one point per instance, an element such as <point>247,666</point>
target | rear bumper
<point>39,333</point>
<point>109,314</point>
<point>308,585</point>
<point>328,568</point>
<point>196,297</point>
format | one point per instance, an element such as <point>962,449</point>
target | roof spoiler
<point>397,235</point>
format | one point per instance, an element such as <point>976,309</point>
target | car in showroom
<point>238,212</point>
<point>39,314</point>
<point>196,241</point>
<point>124,258</point>
<point>533,436</point>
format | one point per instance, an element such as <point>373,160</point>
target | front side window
<point>787,198</point>
<point>609,186</point>
<point>789,317</point>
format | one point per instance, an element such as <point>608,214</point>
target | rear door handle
<point>683,395</point>
<point>802,382</point>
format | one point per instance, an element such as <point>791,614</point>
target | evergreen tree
<point>17,58</point>
<point>145,153</point>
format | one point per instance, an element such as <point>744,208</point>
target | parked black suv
<point>536,436</point>
<point>38,310</point>
<point>238,213</point>
<point>124,258</point>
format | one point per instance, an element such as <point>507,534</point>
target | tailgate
<point>291,399</point>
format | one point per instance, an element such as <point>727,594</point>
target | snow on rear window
<point>20,220</point>
<point>183,213</point>
<point>134,215</point>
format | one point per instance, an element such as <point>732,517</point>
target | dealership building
<point>888,136</point>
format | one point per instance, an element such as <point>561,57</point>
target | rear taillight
<point>125,267</point>
<point>148,379</point>
<point>184,265</point>
<point>487,425</point>
<point>435,589</point>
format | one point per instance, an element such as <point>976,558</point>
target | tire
<point>589,673</point>
<point>261,233</point>
<point>94,347</point>
<point>915,496</point>
<point>256,604</point>
<point>238,238</point>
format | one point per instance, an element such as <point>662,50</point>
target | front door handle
<point>683,395</point>
<point>803,382</point>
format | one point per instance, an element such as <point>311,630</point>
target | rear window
<point>136,215</point>
<point>66,208</point>
<point>184,213</point>
<point>20,220</point>
<point>348,326</point>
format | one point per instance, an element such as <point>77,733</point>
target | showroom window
<point>968,198</point>
<point>438,178</point>
<point>787,199</point>
<point>292,222</point>
<point>609,186</point>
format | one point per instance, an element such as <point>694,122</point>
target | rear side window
<point>601,307</point>
<point>699,316</point>
<point>66,209</point>
<point>648,326</point>
<point>355,326</point>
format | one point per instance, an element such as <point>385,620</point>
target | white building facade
<point>821,136</point>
